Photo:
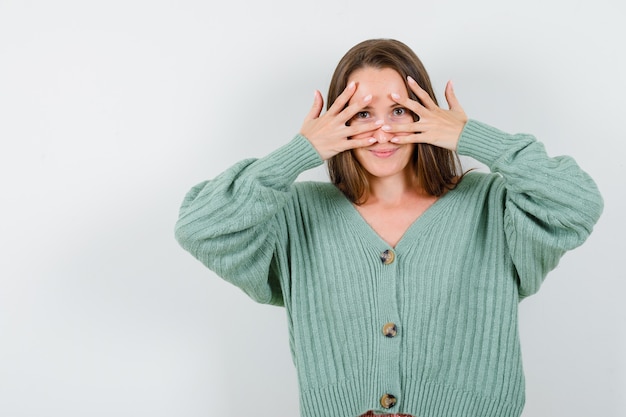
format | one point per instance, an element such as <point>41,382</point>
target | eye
<point>362,115</point>
<point>399,111</point>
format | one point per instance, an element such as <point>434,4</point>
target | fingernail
<point>367,98</point>
<point>351,85</point>
<point>410,79</point>
<point>372,140</point>
<point>386,128</point>
<point>395,140</point>
<point>395,96</point>
<point>379,122</point>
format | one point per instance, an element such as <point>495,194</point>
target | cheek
<point>358,154</point>
<point>408,152</point>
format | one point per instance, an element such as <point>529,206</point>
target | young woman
<point>401,277</point>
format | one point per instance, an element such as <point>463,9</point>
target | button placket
<point>390,329</point>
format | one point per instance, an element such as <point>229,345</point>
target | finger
<point>453,102</point>
<point>426,137</point>
<point>404,127</point>
<point>343,98</point>
<point>424,97</point>
<point>361,128</point>
<point>316,108</point>
<point>415,106</point>
<point>348,112</point>
<point>412,138</point>
<point>358,143</point>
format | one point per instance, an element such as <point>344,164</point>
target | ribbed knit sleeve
<point>551,204</point>
<point>231,223</point>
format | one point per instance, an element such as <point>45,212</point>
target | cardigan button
<point>387,401</point>
<point>390,330</point>
<point>387,257</point>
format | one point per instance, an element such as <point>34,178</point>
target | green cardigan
<point>428,328</point>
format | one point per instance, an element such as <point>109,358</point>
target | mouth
<point>383,153</point>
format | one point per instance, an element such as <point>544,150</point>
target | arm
<point>232,223</point>
<point>551,204</point>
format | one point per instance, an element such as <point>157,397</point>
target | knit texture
<point>452,289</point>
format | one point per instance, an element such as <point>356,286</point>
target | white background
<point>111,110</point>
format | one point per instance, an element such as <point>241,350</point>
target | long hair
<point>436,169</point>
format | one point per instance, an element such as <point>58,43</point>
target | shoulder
<point>315,201</point>
<point>477,182</point>
<point>319,197</point>
<point>316,190</point>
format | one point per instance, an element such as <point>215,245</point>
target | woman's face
<point>384,158</point>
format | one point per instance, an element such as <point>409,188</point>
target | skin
<point>384,161</point>
<point>378,127</point>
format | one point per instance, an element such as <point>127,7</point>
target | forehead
<point>377,80</point>
<point>376,76</point>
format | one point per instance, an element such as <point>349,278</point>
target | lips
<point>383,152</point>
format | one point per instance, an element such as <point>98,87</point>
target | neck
<point>392,190</point>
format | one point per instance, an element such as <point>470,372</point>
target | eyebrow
<point>394,105</point>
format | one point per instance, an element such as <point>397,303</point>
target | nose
<point>381,136</point>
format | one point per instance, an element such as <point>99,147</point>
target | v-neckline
<point>408,238</point>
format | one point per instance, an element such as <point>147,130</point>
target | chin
<point>378,170</point>
<point>385,168</point>
<point>380,174</point>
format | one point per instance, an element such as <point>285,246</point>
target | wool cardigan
<point>428,327</point>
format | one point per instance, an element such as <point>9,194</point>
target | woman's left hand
<point>435,126</point>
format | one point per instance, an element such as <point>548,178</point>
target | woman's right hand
<point>331,133</point>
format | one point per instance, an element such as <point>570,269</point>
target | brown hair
<point>436,169</point>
